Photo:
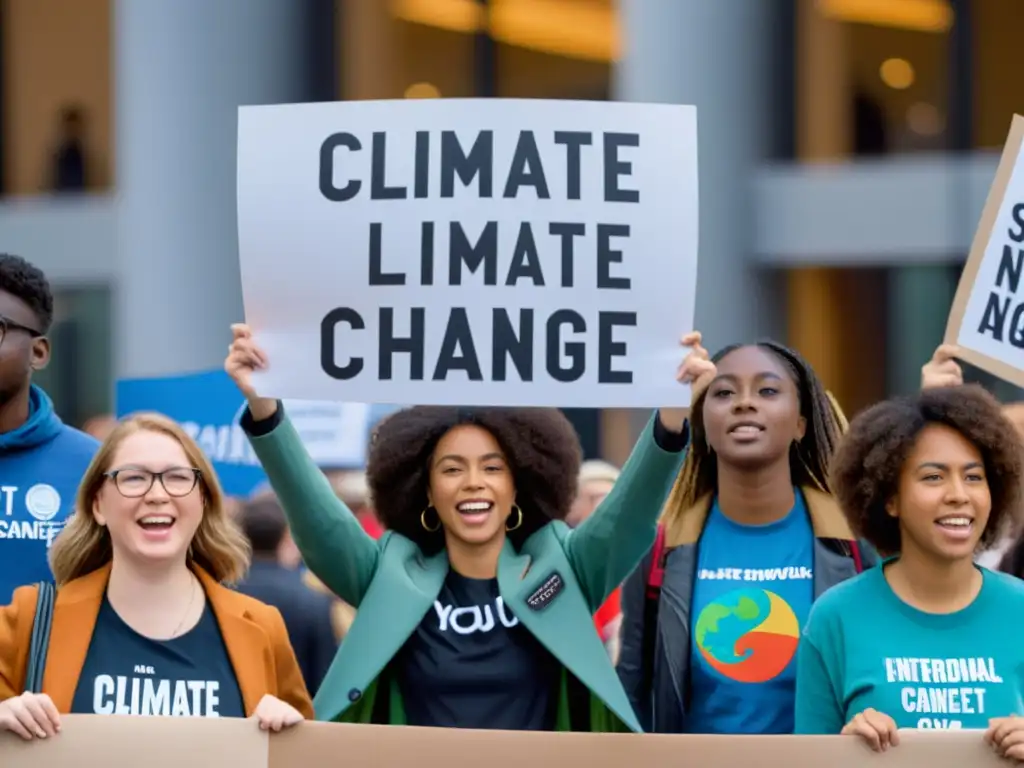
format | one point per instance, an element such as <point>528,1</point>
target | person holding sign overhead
<point>929,640</point>
<point>751,537</point>
<point>474,609</point>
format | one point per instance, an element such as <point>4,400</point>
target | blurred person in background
<point>100,426</point>
<point>351,488</point>
<point>69,169</point>
<point>275,578</point>
<point>342,614</point>
<point>143,622</point>
<point>595,482</point>
<point>41,458</point>
<point>1008,554</point>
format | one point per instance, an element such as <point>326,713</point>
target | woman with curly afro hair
<point>929,639</point>
<point>474,608</point>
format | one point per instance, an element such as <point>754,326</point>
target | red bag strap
<point>656,575</point>
<point>858,562</point>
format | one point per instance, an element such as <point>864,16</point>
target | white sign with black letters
<point>470,251</point>
<point>986,320</point>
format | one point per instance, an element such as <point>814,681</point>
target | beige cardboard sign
<point>987,319</point>
<point>156,742</point>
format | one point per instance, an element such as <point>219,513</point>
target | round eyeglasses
<point>7,325</point>
<point>133,483</point>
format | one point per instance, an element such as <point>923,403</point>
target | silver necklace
<point>191,598</point>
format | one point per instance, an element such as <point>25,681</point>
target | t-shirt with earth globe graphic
<point>752,595</point>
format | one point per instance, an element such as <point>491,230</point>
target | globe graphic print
<point>748,635</point>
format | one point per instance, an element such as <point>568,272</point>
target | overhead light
<point>924,119</point>
<point>422,91</point>
<point>898,74</point>
<point>576,30</point>
<point>916,15</point>
<point>453,15</point>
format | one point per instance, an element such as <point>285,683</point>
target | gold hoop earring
<point>519,520</point>
<point>423,522</point>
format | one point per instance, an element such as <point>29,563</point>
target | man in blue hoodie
<point>42,459</point>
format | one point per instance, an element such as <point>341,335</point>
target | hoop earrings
<point>519,519</point>
<point>423,522</point>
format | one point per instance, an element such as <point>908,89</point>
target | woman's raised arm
<point>333,543</point>
<point>609,543</point>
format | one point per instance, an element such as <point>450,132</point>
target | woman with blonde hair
<point>141,621</point>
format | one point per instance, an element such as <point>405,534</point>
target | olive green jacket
<point>393,584</point>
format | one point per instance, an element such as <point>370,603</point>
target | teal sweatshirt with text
<point>864,647</point>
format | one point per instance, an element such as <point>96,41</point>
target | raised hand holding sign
<point>697,371</point>
<point>942,370</point>
<point>245,357</point>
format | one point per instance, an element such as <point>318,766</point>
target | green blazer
<point>393,584</point>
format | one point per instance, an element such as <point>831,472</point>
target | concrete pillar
<point>919,299</point>
<point>181,71</point>
<point>719,56</point>
<point>824,133</point>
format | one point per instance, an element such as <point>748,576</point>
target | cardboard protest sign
<point>208,406</point>
<point>987,319</point>
<point>470,251</point>
<point>158,742</point>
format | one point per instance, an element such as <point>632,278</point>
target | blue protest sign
<point>208,405</point>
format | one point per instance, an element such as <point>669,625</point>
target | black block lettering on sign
<point>1000,312</point>
<point>525,259</point>
<point>478,162</point>
<point>421,175</point>
<point>377,274</point>
<point>526,169</point>
<point>574,350</point>
<point>379,189</point>
<point>1011,267</point>
<point>615,167</point>
<point>513,345</point>
<point>327,187</point>
<point>574,141</point>
<point>427,253</point>
<point>608,348</point>
<point>1003,318</point>
<point>567,231</point>
<point>328,343</point>
<point>1016,233</point>
<point>606,256</point>
<point>458,352</point>
<point>389,345</point>
<point>483,252</point>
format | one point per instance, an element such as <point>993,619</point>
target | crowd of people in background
<point>758,566</point>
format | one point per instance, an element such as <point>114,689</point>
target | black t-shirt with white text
<point>128,674</point>
<point>471,664</point>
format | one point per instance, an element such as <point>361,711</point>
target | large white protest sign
<point>477,251</point>
<point>987,319</point>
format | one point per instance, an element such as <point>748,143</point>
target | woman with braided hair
<point>750,538</point>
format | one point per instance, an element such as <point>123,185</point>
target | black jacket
<point>307,615</point>
<point>654,659</point>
